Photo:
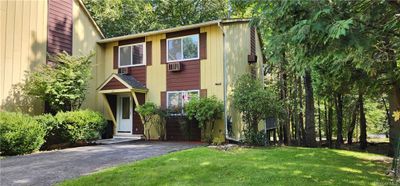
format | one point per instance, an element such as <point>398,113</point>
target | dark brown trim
<point>183,33</point>
<point>59,26</point>
<point>253,40</point>
<point>132,41</point>
<point>149,58</point>
<point>137,125</point>
<point>113,84</point>
<point>163,52</point>
<point>252,58</point>
<point>115,58</point>
<point>163,99</point>
<point>203,45</point>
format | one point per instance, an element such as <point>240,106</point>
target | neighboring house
<point>31,29</point>
<point>166,67</point>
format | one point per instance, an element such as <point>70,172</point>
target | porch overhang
<point>119,84</point>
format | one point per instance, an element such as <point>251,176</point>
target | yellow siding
<point>84,40</point>
<point>23,33</point>
<point>237,47</point>
<point>107,69</point>
<point>212,70</point>
<point>156,75</point>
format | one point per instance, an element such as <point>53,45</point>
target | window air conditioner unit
<point>123,71</point>
<point>174,67</point>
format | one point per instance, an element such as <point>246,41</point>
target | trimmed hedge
<point>81,125</point>
<point>22,134</point>
<point>19,134</point>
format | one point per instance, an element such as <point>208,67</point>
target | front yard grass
<point>244,166</point>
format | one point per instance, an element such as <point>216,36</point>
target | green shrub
<point>81,125</point>
<point>218,140</point>
<point>206,111</point>
<point>52,128</point>
<point>19,134</point>
<point>252,137</point>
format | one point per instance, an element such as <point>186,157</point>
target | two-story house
<point>170,66</point>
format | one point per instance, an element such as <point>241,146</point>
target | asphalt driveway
<point>47,168</point>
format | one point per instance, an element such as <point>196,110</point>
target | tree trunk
<point>394,105</point>
<point>326,122</point>
<point>301,130</point>
<point>394,99</point>
<point>310,117</point>
<point>319,122</point>
<point>330,123</point>
<point>388,116</point>
<point>352,125</point>
<point>339,116</point>
<point>363,123</point>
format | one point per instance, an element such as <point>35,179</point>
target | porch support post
<point>136,103</point>
<point>110,112</point>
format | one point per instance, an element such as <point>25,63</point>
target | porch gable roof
<point>128,83</point>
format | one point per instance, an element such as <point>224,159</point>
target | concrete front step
<point>120,139</point>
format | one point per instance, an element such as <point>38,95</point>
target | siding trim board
<point>132,41</point>
<point>182,33</point>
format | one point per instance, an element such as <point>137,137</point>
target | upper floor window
<point>131,55</point>
<point>176,100</point>
<point>183,48</point>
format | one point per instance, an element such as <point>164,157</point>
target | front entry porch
<point>122,93</point>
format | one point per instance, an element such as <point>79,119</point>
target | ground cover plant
<point>247,166</point>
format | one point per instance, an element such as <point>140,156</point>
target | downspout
<point>225,84</point>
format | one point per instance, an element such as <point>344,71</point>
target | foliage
<point>396,115</point>
<point>153,116</point>
<point>252,137</point>
<point>254,102</point>
<point>19,134</point>
<point>47,121</point>
<point>252,166</point>
<point>218,140</point>
<point>206,111</point>
<point>122,17</point>
<point>80,125</point>
<point>63,83</point>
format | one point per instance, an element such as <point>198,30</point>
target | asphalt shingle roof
<point>131,81</point>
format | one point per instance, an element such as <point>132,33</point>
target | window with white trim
<point>176,100</point>
<point>131,55</point>
<point>183,48</point>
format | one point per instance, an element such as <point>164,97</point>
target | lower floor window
<point>176,100</point>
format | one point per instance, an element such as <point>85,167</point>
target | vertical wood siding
<point>23,32</point>
<point>137,124</point>
<point>212,69</point>
<point>186,79</point>
<point>60,26</point>
<point>113,84</point>
<point>139,73</point>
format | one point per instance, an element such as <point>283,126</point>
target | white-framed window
<point>132,55</point>
<point>176,100</point>
<point>183,48</point>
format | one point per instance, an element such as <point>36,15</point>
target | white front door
<point>124,113</point>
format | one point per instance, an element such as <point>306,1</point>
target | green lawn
<point>260,166</point>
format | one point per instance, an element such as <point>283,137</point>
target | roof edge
<point>174,29</point>
<point>82,5</point>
